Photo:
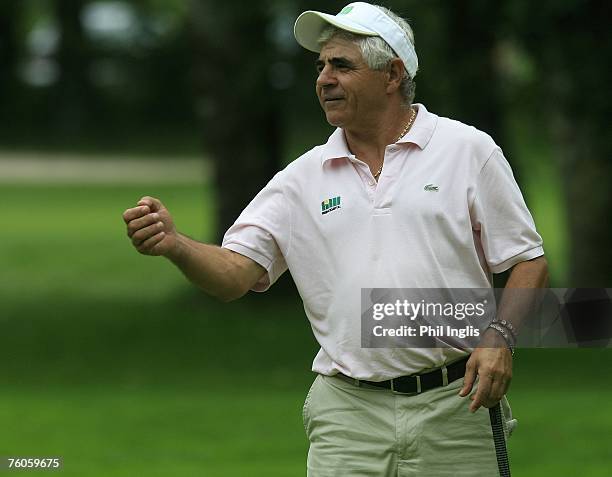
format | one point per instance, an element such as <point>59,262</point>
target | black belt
<point>417,383</point>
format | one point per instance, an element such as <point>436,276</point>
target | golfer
<point>397,197</point>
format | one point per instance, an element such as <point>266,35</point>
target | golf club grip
<point>497,426</point>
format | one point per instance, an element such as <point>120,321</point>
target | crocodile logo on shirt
<point>329,205</point>
<point>431,188</point>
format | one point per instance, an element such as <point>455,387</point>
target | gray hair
<point>376,52</point>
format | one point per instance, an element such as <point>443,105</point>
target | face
<point>350,93</point>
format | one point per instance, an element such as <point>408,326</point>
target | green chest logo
<point>329,205</point>
<point>431,188</point>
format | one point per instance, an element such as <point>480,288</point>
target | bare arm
<point>218,271</point>
<point>491,361</point>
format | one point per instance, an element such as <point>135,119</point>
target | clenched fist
<point>150,227</point>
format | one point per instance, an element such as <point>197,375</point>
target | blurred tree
<point>456,44</point>
<point>73,95</point>
<point>9,55</point>
<point>570,42</point>
<point>241,110</point>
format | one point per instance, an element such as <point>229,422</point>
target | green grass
<point>70,240</point>
<point>159,432</point>
<point>112,361</point>
<point>562,431</point>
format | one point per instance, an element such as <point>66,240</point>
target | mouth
<point>332,99</point>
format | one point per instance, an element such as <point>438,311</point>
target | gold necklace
<point>408,126</point>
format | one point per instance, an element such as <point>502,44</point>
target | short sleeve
<point>262,232</point>
<point>499,213</point>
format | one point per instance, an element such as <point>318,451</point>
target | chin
<point>334,120</point>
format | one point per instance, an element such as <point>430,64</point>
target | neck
<point>369,139</point>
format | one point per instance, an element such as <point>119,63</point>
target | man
<point>397,198</point>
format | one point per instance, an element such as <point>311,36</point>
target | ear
<point>395,75</point>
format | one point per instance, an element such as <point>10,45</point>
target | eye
<point>342,65</point>
<point>319,65</point>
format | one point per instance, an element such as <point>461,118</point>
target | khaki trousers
<point>358,431</point>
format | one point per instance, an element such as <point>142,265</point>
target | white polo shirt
<point>445,213</point>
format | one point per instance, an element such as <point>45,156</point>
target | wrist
<point>502,336</point>
<point>178,249</point>
<point>508,328</point>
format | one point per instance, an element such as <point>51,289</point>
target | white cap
<point>362,19</point>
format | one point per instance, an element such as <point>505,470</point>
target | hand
<point>491,361</point>
<point>150,227</point>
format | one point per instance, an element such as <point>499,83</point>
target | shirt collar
<point>423,128</point>
<point>335,147</point>
<point>420,133</point>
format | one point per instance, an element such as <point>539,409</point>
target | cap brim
<point>310,24</point>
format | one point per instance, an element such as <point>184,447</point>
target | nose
<point>326,77</point>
